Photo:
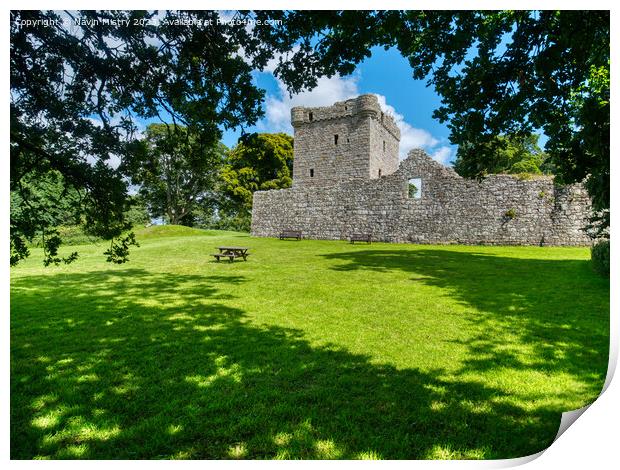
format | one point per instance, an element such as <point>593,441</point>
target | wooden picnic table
<point>232,252</point>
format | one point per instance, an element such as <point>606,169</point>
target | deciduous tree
<point>176,171</point>
<point>504,154</point>
<point>257,162</point>
<point>80,81</point>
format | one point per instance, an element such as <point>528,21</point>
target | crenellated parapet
<point>350,140</point>
<point>364,106</point>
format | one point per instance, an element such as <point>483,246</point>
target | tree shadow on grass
<point>133,364</point>
<point>544,315</point>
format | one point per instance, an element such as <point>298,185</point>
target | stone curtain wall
<point>500,210</point>
<point>337,190</point>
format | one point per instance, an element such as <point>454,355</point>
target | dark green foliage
<point>51,241</point>
<point>49,194</point>
<point>176,171</point>
<point>137,214</point>
<point>581,144</point>
<point>119,248</point>
<point>598,226</point>
<point>504,154</point>
<point>63,221</point>
<point>258,162</point>
<point>77,91</point>
<point>19,250</point>
<point>601,257</point>
<point>54,202</point>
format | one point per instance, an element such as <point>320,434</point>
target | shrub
<point>510,214</point>
<point>600,257</point>
<point>523,176</point>
<point>70,235</point>
<point>237,223</point>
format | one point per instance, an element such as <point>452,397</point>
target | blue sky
<point>385,73</point>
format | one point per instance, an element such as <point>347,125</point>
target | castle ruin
<point>347,179</point>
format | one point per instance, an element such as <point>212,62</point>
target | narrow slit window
<point>311,172</point>
<point>384,145</point>
<point>379,172</point>
<point>310,116</point>
<point>335,139</point>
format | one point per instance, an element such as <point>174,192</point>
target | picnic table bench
<point>232,252</point>
<point>361,237</point>
<point>290,234</point>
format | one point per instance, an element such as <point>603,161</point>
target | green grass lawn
<point>311,349</point>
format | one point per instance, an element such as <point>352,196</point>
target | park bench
<point>360,237</point>
<point>290,234</point>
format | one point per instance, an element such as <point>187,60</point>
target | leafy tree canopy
<point>56,202</point>
<point>504,154</point>
<point>176,171</point>
<point>77,90</point>
<point>258,162</point>
<point>137,214</point>
<point>497,72</point>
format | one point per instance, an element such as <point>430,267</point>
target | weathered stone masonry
<point>353,183</point>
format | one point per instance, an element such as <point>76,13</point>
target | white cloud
<point>442,154</point>
<point>328,91</point>
<point>410,137</point>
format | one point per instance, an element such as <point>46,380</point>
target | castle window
<point>347,140</point>
<point>415,188</point>
<point>379,172</point>
<point>384,145</point>
<point>311,172</point>
<point>310,116</point>
<point>335,139</point>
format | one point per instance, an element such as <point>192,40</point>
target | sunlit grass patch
<point>312,350</point>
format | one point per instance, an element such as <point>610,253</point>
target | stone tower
<point>350,140</point>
